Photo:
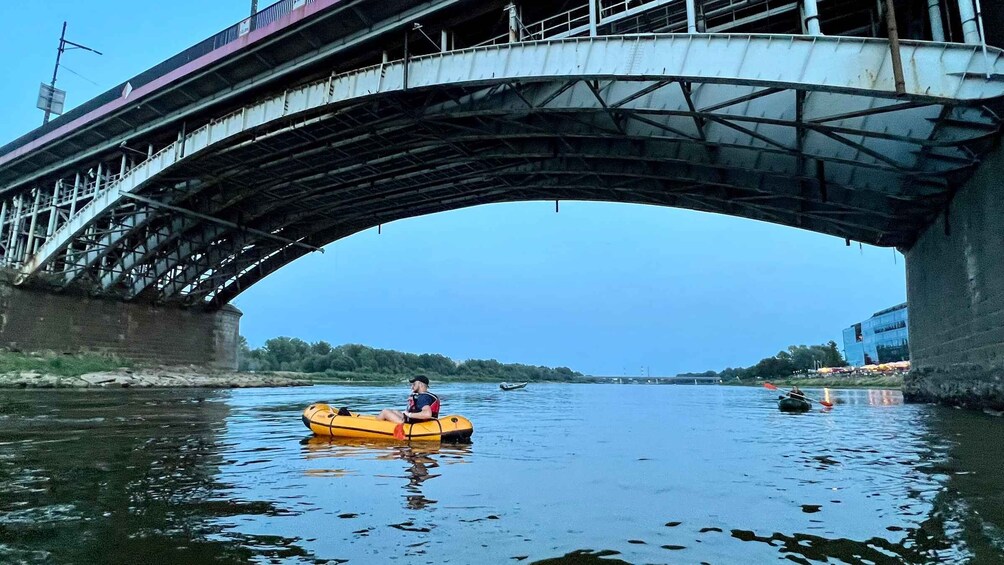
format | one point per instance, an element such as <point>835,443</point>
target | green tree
<point>284,353</point>
<point>320,348</point>
<point>833,356</point>
<point>341,362</point>
<point>243,354</point>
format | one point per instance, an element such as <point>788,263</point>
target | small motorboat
<point>789,404</point>
<point>324,420</point>
<point>514,386</point>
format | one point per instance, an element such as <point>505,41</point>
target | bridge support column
<point>934,13</point>
<point>39,321</point>
<point>955,289</point>
<point>592,18</point>
<point>514,23</point>
<point>970,27</point>
<point>810,17</point>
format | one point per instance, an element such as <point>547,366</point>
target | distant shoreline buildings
<point>883,338</point>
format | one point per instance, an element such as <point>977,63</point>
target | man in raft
<point>422,404</point>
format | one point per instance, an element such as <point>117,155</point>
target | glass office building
<point>883,338</point>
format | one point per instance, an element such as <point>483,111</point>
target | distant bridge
<point>317,119</point>
<point>665,380</point>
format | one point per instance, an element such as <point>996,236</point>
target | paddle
<point>769,386</point>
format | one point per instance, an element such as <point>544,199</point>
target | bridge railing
<point>553,27</point>
<point>610,9</point>
<point>204,47</point>
<point>276,11</point>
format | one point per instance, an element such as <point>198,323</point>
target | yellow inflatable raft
<point>325,421</point>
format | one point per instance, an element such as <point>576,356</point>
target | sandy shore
<point>894,382</point>
<point>166,377</point>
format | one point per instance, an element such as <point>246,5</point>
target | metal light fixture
<point>51,99</point>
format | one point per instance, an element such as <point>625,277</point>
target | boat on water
<point>326,421</point>
<point>789,404</point>
<point>514,386</point>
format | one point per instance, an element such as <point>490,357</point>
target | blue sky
<point>606,289</point>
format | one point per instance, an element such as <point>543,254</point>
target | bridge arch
<point>785,129</point>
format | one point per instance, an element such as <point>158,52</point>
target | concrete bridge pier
<point>955,290</point>
<point>40,321</point>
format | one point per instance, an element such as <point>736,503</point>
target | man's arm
<point>425,410</point>
<point>424,414</point>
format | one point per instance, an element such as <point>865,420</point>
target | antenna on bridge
<point>50,98</point>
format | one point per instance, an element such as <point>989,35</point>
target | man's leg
<point>391,415</point>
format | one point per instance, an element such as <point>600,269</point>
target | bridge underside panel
<point>786,143</point>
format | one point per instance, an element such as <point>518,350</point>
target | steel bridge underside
<point>782,129</point>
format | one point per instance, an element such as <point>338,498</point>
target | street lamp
<point>48,94</point>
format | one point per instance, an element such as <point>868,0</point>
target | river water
<point>555,474</point>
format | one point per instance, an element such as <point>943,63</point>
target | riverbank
<point>39,371</point>
<point>150,377</point>
<point>50,370</point>
<point>866,381</point>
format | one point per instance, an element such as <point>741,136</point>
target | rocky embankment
<point>165,377</point>
<point>969,386</point>
<point>893,381</point>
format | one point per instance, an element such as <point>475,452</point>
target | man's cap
<point>419,378</point>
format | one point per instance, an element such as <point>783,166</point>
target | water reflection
<point>681,474</point>
<point>583,557</point>
<point>970,506</point>
<point>870,397</point>
<point>885,397</point>
<point>806,548</point>
<point>105,478</point>
<point>421,460</point>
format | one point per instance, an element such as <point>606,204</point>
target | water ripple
<point>556,474</point>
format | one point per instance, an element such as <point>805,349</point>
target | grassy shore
<point>875,381</point>
<point>51,370</point>
<point>60,365</point>
<point>12,365</point>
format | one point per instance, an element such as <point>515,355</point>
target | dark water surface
<point>587,473</point>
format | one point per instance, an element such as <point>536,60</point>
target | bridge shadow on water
<point>102,477</point>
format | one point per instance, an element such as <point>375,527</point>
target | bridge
<point>677,380</point>
<point>151,207</point>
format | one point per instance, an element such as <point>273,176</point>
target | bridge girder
<point>824,147</point>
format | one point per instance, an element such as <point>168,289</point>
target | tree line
<point>294,354</point>
<point>796,359</point>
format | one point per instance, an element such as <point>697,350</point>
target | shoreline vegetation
<point>352,362</point>
<point>801,365</point>
<point>893,382</point>
<point>362,378</point>
<point>287,361</point>
<point>51,370</point>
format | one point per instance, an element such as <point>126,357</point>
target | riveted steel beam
<point>356,146</point>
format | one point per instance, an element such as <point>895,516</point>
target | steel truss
<point>787,130</point>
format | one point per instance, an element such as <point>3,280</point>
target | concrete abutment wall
<point>955,289</point>
<point>39,321</point>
